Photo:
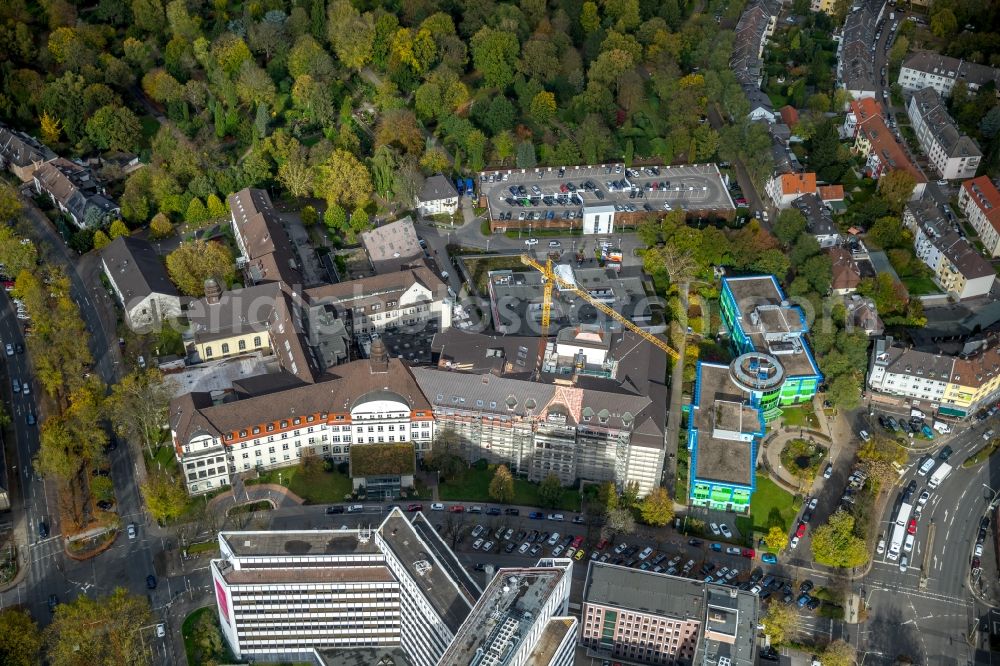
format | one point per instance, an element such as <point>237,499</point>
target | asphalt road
<point>931,623</point>
<point>127,562</point>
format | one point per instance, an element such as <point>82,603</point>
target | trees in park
<point>103,630</point>
<point>550,491</point>
<point>657,508</point>
<point>502,485</point>
<point>20,639</point>
<point>836,545</point>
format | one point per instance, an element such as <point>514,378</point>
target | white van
<point>926,466</point>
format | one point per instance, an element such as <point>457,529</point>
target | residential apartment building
<point>595,412</point>
<point>521,619</point>
<point>73,189</point>
<point>951,385</point>
<point>859,110</point>
<point>883,154</point>
<point>274,420</point>
<point>755,26</point>
<point>856,72</point>
<point>979,200</point>
<point>641,617</point>
<point>785,188</point>
<point>392,247</point>
<point>22,154</point>
<point>138,278</point>
<point>927,69</point>
<point>958,268</point>
<point>953,154</point>
<point>438,197</point>
<point>825,6</point>
<point>283,595</point>
<point>819,220</point>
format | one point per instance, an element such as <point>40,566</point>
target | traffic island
<point>90,543</point>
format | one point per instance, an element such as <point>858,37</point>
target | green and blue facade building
<point>731,405</point>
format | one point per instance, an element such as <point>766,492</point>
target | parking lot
<point>549,195</point>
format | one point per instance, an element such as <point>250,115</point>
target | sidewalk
<point>279,496</point>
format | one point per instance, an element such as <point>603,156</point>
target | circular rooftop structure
<point>757,372</point>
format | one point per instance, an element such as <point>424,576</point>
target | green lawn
<point>771,505</point>
<point>919,286</point>
<point>474,484</point>
<point>800,416</point>
<point>164,455</point>
<point>314,485</point>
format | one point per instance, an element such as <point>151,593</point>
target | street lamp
<point>995,494</point>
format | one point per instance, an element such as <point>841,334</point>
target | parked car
<point>477,544</point>
<point>800,531</point>
<point>794,543</point>
<point>769,558</point>
<point>151,582</point>
<point>437,506</point>
<point>725,531</point>
<point>555,516</point>
<point>131,530</point>
<point>828,472</point>
<point>714,528</point>
<point>911,527</point>
<point>734,550</point>
<point>355,508</point>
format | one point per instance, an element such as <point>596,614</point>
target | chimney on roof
<point>213,291</point>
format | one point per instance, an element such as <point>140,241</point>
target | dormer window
<point>270,427</point>
<point>243,433</point>
<point>256,430</point>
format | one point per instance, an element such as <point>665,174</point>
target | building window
<point>243,345</point>
<point>208,352</point>
<point>225,347</point>
<point>256,341</point>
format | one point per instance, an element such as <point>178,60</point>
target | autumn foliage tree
<point>194,262</point>
<point>657,508</point>
<point>502,485</point>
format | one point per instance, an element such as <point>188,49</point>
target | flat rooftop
<point>730,626</point>
<point>446,556</point>
<point>417,558</point>
<point>645,591</point>
<point>376,656</point>
<point>504,615</point>
<point>550,640</point>
<point>516,299</point>
<point>298,543</point>
<point>722,460</point>
<point>332,574</point>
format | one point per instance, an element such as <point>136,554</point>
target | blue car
<point>536,515</point>
<point>928,433</point>
<point>769,558</point>
<point>717,547</point>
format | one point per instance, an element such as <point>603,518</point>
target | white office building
<point>598,220</point>
<point>342,596</point>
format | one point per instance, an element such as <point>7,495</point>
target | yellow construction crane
<point>550,278</point>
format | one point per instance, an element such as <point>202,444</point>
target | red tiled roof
<point>865,108</point>
<point>984,193</point>
<point>889,152</point>
<point>830,192</point>
<point>798,183</point>
<point>789,115</point>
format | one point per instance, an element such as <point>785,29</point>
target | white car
<point>161,630</point>
<point>531,241</point>
<point>725,531</point>
<point>904,564</point>
<point>733,550</point>
<point>131,531</point>
<point>10,349</point>
<point>477,531</point>
<point>864,435</point>
<point>646,552</point>
<point>813,503</point>
<point>477,544</point>
<point>620,548</point>
<point>924,496</point>
<point>524,548</point>
<point>714,528</point>
<point>794,543</point>
<point>881,546</point>
<point>908,544</point>
<point>554,539</point>
<point>355,508</point>
<point>978,552</point>
<point>437,506</point>
<point>828,472</point>
<point>557,551</point>
<point>555,516</point>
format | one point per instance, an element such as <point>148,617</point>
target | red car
<point>911,527</point>
<point>414,507</point>
<point>602,544</point>
<point>458,508</point>
<point>748,552</point>
<point>800,531</point>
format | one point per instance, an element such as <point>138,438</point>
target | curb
<point>22,570</point>
<point>91,554</point>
